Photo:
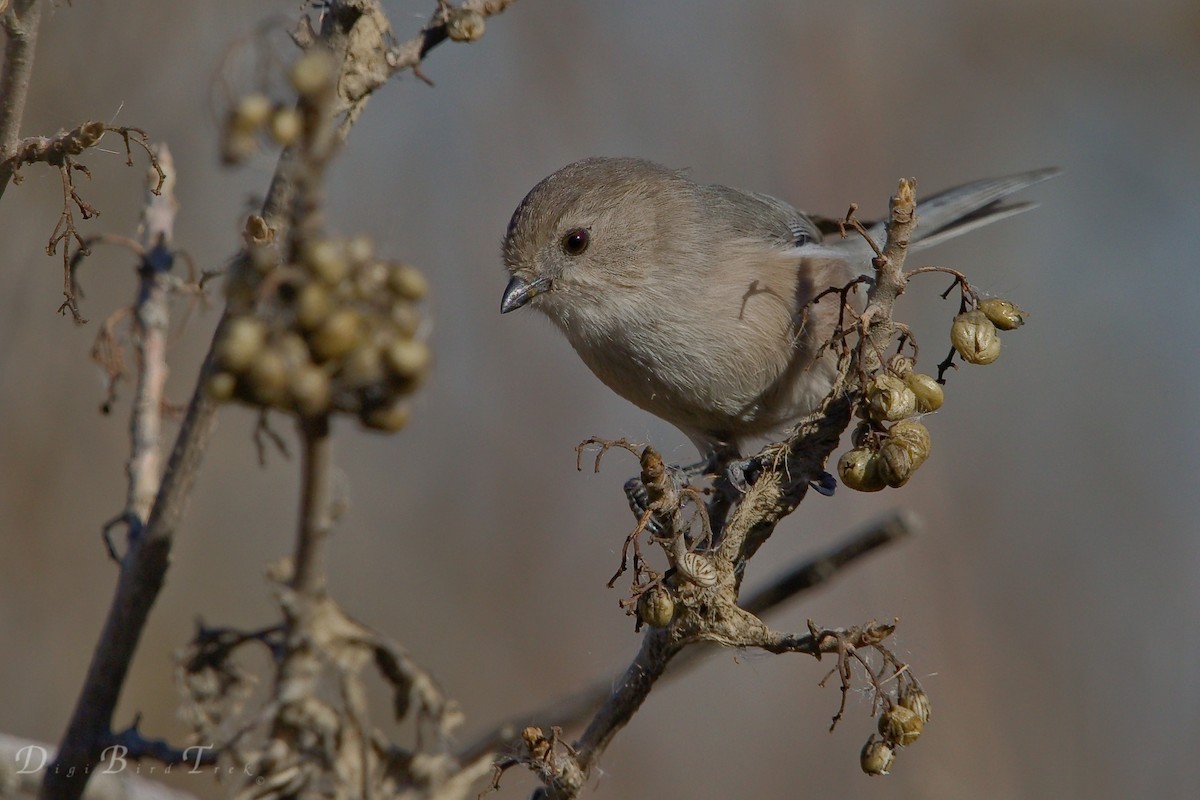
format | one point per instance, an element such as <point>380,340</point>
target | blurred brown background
<point>1050,608</point>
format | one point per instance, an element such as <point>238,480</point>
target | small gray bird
<point>686,298</point>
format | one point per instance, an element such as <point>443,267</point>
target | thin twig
<point>21,28</point>
<point>152,320</point>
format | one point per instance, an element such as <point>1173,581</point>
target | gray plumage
<point>686,298</point>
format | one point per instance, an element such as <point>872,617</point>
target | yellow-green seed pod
<point>889,398</point>
<point>900,726</point>
<point>656,606</point>
<point>916,701</point>
<point>313,73</point>
<point>221,386</point>
<point>370,281</point>
<point>308,386</point>
<point>361,250</point>
<point>859,470</point>
<point>313,306</point>
<point>266,378</point>
<point>362,367</point>
<point>241,342</point>
<point>929,392</point>
<point>389,419</point>
<point>407,359</point>
<point>877,757</point>
<point>251,113</point>
<point>286,126</point>
<point>341,333</point>
<point>1003,314</point>
<point>294,349</point>
<point>405,320</point>
<point>903,450</point>
<point>974,337</point>
<point>407,282</point>
<point>327,260</point>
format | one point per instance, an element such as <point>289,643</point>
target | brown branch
<point>808,574</point>
<point>21,29</point>
<point>308,565</point>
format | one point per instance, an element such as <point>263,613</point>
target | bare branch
<point>21,28</point>
<point>570,711</point>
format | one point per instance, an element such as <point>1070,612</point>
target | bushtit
<point>686,299</point>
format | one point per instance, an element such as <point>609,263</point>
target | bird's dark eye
<point>576,241</point>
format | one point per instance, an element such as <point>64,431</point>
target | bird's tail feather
<point>951,213</point>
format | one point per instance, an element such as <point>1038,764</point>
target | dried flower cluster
<point>336,330</point>
<point>318,324</point>
<point>891,443</point>
<point>900,725</point>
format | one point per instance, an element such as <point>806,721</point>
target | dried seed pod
<point>286,126</point>
<point>903,450</point>
<point>407,282</point>
<point>974,337</point>
<point>1003,314</point>
<point>859,470</point>
<point>406,358</point>
<point>928,391</point>
<point>464,25</point>
<point>405,320</point>
<point>915,701</point>
<point>900,726</point>
<point>656,606</point>
<point>370,280</point>
<point>266,378</point>
<point>251,113</point>
<point>313,73</point>
<point>308,386</point>
<point>362,367</point>
<point>877,757</point>
<point>697,569</point>
<point>241,343</point>
<point>361,250</point>
<point>90,134</point>
<point>313,305</point>
<point>326,259</point>
<point>221,386</point>
<point>294,349</point>
<point>385,418</point>
<point>889,399</point>
<point>900,366</point>
<point>337,335</point>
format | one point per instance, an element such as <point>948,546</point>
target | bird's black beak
<point>520,291</point>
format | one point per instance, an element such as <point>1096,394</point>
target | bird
<point>694,301</point>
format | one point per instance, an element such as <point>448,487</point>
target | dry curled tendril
<point>61,151</point>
